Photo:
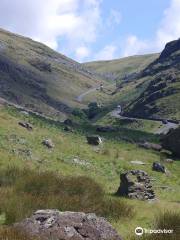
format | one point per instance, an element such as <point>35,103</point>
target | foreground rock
<point>158,167</point>
<point>94,140</point>
<point>153,146</point>
<point>26,125</point>
<point>171,141</point>
<point>136,184</point>
<point>48,143</point>
<point>52,224</point>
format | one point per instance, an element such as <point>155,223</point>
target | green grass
<point>147,126</point>
<point>22,149</point>
<point>168,220</point>
<point>123,66</point>
<point>37,89</point>
<point>29,190</point>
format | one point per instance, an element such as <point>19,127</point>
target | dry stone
<point>136,184</point>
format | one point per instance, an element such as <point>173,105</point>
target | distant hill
<point>35,76</point>
<point>38,78</point>
<point>119,68</point>
<point>161,98</point>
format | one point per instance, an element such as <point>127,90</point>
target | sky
<point>89,30</point>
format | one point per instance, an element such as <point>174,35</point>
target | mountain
<point>35,76</point>
<point>161,98</point>
<point>119,68</point>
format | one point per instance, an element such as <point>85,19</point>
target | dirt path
<point>80,97</point>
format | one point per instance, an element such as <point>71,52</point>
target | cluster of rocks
<point>136,184</point>
<point>56,225</point>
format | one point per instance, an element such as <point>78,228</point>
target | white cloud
<point>170,26</point>
<point>135,46</point>
<point>114,18</point>
<point>168,30</point>
<point>48,20</point>
<point>107,53</point>
<point>82,52</point>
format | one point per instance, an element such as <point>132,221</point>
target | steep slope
<point>75,160</point>
<point>35,76</point>
<point>161,98</point>
<point>120,68</point>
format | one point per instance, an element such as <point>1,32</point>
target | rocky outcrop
<point>136,184</point>
<point>170,48</point>
<point>156,100</point>
<point>171,141</point>
<point>52,224</point>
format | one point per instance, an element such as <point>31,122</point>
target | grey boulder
<point>56,225</point>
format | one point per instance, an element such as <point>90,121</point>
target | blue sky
<point>136,17</point>
<point>88,30</point>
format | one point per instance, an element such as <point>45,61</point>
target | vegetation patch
<point>29,190</point>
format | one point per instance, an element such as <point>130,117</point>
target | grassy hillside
<point>71,158</point>
<point>161,98</point>
<point>121,67</point>
<point>150,87</point>
<point>35,76</point>
<point>121,73</point>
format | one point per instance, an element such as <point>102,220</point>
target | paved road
<point>116,113</point>
<point>165,129</point>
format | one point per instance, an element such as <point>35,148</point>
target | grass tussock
<point>13,234</point>
<point>25,191</point>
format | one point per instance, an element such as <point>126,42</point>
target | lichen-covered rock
<point>56,225</point>
<point>136,184</point>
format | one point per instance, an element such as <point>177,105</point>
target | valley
<point>70,132</point>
